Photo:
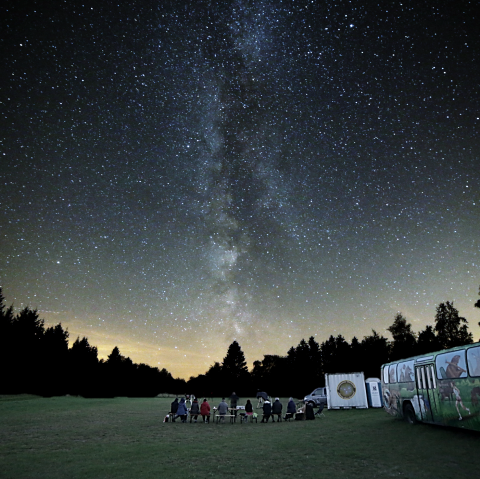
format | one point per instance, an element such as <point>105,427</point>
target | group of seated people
<point>180,410</point>
<point>275,409</point>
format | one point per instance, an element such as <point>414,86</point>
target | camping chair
<point>320,411</point>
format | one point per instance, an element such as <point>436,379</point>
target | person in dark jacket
<point>173,409</point>
<point>277,410</point>
<point>234,402</point>
<point>267,411</point>
<point>291,409</point>
<point>309,413</point>
<point>182,410</point>
<point>194,410</point>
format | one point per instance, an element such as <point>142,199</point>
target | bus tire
<point>409,414</point>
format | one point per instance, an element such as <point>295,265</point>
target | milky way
<point>178,176</point>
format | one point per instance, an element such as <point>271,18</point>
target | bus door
<point>426,388</point>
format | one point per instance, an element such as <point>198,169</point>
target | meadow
<point>119,438</point>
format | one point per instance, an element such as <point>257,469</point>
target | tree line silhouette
<point>38,360</point>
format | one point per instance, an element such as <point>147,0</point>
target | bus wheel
<point>409,414</point>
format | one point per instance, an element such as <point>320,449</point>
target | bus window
<point>451,365</point>
<point>405,372</point>
<point>385,374</point>
<point>429,378</point>
<point>419,379</point>
<point>392,373</point>
<point>432,374</point>
<point>473,359</point>
<point>423,378</point>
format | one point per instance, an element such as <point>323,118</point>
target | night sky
<point>178,175</point>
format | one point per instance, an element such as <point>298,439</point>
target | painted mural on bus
<point>438,388</point>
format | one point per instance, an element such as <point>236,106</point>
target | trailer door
<point>426,388</point>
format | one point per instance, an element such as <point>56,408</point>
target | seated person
<point>277,410</point>
<point>300,416</point>
<point>248,409</point>
<point>291,409</point>
<point>174,409</point>
<point>194,410</point>
<point>182,410</point>
<point>309,413</point>
<point>205,410</point>
<point>223,409</point>
<point>267,411</point>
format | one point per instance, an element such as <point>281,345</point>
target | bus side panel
<point>459,402</point>
<point>395,394</point>
<point>448,391</point>
<point>459,394</point>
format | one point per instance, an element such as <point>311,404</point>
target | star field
<point>175,176</point>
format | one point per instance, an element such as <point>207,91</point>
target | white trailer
<point>346,390</point>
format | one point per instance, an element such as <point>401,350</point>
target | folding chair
<point>320,411</point>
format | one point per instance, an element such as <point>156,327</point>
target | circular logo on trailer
<point>346,389</point>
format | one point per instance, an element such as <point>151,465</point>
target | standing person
<point>277,410</point>
<point>194,410</point>
<point>205,410</point>
<point>182,410</point>
<point>291,409</point>
<point>267,411</point>
<point>174,408</point>
<point>233,402</point>
<point>223,409</point>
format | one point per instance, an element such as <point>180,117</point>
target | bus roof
<point>423,358</point>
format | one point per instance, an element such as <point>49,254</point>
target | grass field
<point>69,437</point>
